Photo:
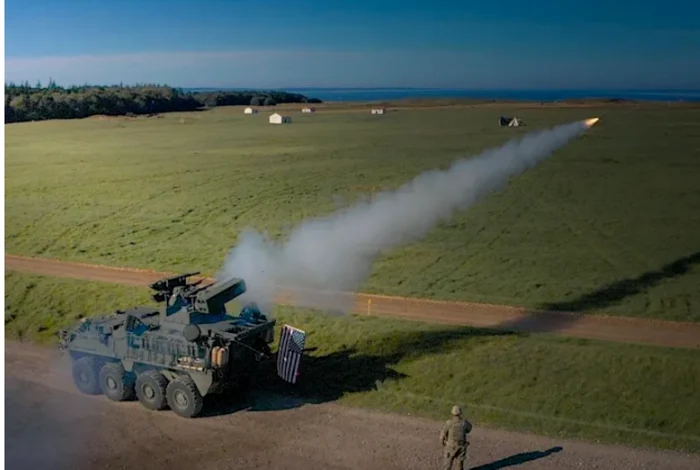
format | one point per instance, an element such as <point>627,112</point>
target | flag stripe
<point>293,366</point>
<point>283,353</point>
<point>282,350</point>
<point>287,356</point>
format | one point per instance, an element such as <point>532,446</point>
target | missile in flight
<point>589,122</point>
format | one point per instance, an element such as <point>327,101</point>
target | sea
<point>389,94</point>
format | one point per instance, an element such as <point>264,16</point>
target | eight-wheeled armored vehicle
<point>175,355</point>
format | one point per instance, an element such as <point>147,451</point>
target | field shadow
<point>518,459</point>
<point>613,293</point>
<point>541,322</point>
<point>326,378</point>
<point>555,316</point>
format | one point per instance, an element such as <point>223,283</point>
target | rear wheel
<point>184,398</point>
<point>150,390</point>
<point>85,375</point>
<point>116,383</point>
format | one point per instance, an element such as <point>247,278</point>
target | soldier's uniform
<point>454,439</point>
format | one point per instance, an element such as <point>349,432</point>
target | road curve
<point>601,327</point>
<point>50,425</point>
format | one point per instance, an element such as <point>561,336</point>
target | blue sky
<point>362,43</point>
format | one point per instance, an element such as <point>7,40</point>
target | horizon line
<point>360,88</point>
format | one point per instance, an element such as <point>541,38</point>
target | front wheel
<point>85,375</point>
<point>184,398</point>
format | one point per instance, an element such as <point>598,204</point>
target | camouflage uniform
<point>454,439</point>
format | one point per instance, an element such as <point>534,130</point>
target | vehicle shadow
<point>324,378</point>
<point>328,377</point>
<point>518,459</point>
<point>555,316</point>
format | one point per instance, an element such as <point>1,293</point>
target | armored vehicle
<point>175,355</point>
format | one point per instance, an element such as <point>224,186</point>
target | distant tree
<point>25,103</point>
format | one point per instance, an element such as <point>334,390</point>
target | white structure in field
<point>515,122</point>
<point>378,111</point>
<point>308,110</point>
<point>279,119</point>
<point>250,110</point>
<point>510,122</point>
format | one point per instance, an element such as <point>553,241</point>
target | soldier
<point>454,439</point>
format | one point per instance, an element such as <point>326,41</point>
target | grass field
<point>568,388</point>
<point>598,226</point>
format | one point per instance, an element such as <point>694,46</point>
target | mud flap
<point>289,354</point>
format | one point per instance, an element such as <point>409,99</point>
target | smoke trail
<point>336,252</point>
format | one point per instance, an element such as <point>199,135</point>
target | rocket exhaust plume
<point>336,253</point>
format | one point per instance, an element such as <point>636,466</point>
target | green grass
<point>593,390</point>
<point>590,228</point>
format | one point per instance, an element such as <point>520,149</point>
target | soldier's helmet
<point>456,410</point>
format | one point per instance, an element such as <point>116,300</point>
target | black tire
<point>150,390</point>
<point>116,383</point>
<point>184,398</point>
<point>85,375</point>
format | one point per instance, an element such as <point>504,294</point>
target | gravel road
<point>50,425</point>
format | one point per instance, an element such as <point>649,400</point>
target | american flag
<point>290,352</point>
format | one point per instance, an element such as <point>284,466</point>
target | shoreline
<point>413,104</point>
<point>461,103</point>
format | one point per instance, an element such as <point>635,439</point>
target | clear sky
<point>360,43</point>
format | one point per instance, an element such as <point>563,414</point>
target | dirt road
<point>50,425</point>
<point>621,329</point>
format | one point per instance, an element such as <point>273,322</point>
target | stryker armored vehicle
<point>175,355</point>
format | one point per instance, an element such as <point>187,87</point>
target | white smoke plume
<point>336,253</point>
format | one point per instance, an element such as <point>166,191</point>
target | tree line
<point>37,103</point>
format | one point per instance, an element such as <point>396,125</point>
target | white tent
<point>308,110</point>
<point>378,111</point>
<point>250,110</point>
<point>515,122</point>
<point>510,122</point>
<point>279,119</point>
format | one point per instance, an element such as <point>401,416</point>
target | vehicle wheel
<point>85,375</point>
<point>150,390</point>
<point>184,398</point>
<point>115,382</point>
